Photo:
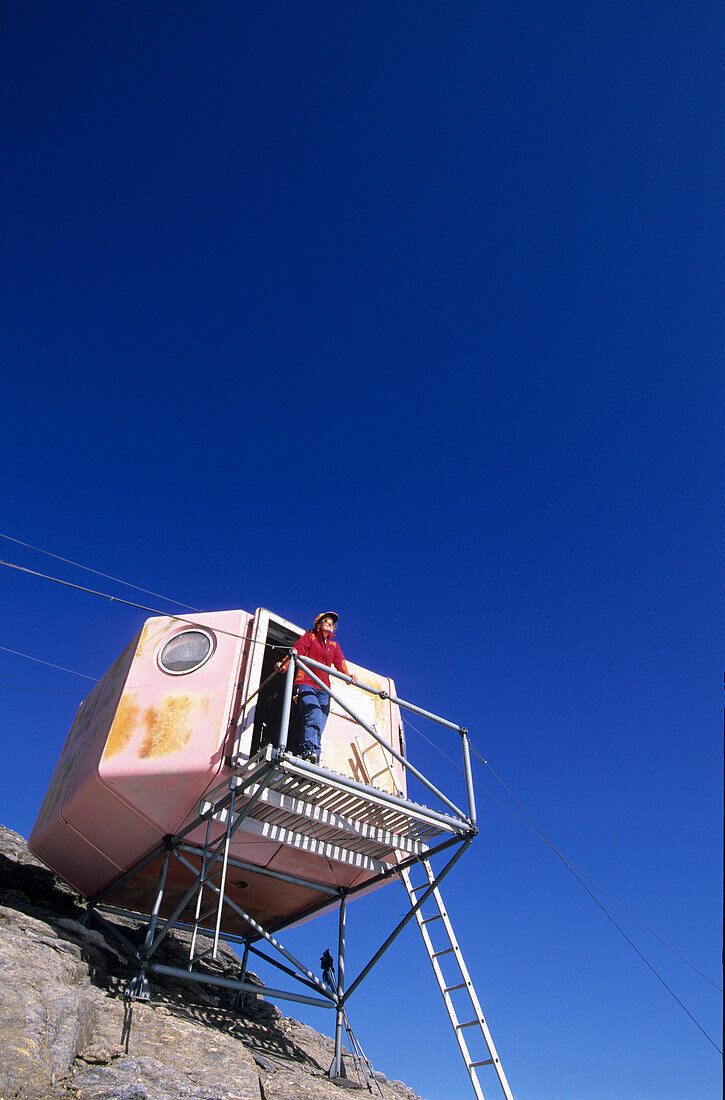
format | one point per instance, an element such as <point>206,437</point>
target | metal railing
<point>309,665</point>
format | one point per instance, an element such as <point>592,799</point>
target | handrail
<point>381,693</point>
<point>306,662</point>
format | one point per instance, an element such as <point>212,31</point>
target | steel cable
<point>97,572</point>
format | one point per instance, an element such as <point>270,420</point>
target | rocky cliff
<point>67,1033</point>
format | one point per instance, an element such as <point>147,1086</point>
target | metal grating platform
<point>284,798</point>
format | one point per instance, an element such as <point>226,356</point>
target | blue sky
<point>413,312</point>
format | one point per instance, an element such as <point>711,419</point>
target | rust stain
<point>123,727</point>
<point>168,725</point>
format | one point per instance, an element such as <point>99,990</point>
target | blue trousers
<point>314,707</point>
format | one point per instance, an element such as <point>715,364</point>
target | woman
<point>313,701</point>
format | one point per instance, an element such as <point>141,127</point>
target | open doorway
<point>268,711</point>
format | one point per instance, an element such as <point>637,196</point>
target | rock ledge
<point>66,1032</point>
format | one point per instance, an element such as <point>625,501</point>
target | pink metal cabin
<point>157,733</point>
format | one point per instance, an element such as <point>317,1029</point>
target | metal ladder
<point>460,983</point>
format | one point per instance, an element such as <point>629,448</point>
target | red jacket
<point>313,645</point>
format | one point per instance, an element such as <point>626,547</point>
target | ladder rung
<point>448,951</point>
<point>470,1023</point>
<point>474,1065</point>
<point>427,920</point>
<point>451,988</point>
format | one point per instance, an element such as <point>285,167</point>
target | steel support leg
<point>138,987</point>
<point>337,1069</point>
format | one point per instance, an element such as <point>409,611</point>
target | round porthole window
<point>186,652</point>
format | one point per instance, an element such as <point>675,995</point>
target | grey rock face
<point>66,1032</point>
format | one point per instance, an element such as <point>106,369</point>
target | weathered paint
<point>124,724</point>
